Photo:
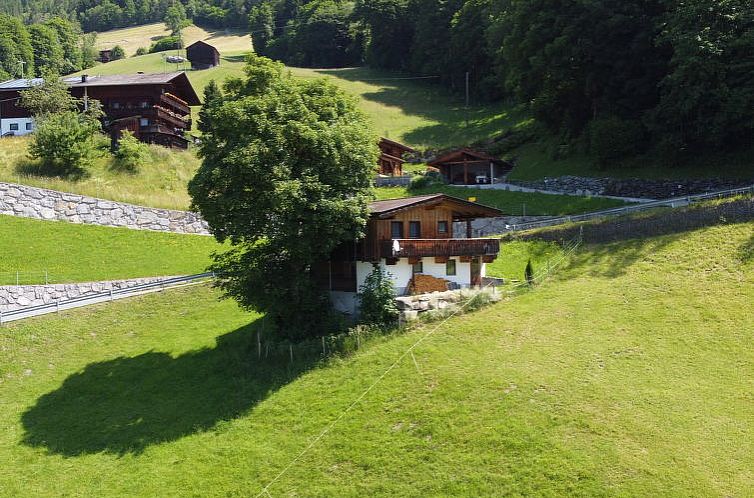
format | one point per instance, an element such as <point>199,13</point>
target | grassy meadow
<point>160,182</point>
<point>79,253</point>
<point>627,374</point>
<point>225,40</point>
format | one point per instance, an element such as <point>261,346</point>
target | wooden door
<point>476,272</point>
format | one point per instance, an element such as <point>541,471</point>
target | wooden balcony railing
<point>421,248</point>
<point>171,101</point>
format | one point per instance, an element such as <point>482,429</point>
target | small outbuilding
<point>202,55</point>
<point>105,55</point>
<point>391,157</point>
<point>470,167</point>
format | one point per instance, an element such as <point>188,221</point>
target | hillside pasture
<point>224,40</point>
<point>627,374</point>
<point>62,252</point>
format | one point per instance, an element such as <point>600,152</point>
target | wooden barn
<point>155,107</point>
<point>470,167</point>
<point>105,55</point>
<point>202,55</point>
<point>391,157</point>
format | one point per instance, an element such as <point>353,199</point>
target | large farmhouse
<point>154,107</point>
<point>409,238</point>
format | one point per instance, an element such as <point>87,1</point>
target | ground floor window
<point>418,267</point>
<point>14,126</point>
<point>28,126</point>
<point>450,267</point>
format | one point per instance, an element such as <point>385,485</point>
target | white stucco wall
<point>401,273</point>
<point>6,123</point>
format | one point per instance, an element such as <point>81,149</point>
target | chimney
<point>84,78</point>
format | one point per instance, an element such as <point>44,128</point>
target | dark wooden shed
<point>391,157</point>
<point>202,55</point>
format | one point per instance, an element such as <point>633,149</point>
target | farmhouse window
<point>414,230</point>
<point>115,105</point>
<point>396,229</point>
<point>143,122</point>
<point>442,227</point>
<point>450,267</point>
<point>417,267</point>
<point>28,126</point>
<point>14,126</point>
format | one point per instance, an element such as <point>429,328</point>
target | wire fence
<point>674,202</point>
<point>27,278</point>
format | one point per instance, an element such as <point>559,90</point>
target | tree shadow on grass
<point>455,125</point>
<point>124,405</point>
<point>746,253</point>
<point>28,167</point>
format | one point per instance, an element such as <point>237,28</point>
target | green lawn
<point>80,253</point>
<point>511,203</point>
<point>629,374</point>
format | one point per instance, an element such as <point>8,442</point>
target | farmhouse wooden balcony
<point>422,248</point>
<point>172,102</point>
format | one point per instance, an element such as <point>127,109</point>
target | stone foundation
<point>411,306</point>
<point>43,204</point>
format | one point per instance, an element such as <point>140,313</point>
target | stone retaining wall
<point>632,187</point>
<point>43,204</point>
<point>392,181</point>
<point>14,297</point>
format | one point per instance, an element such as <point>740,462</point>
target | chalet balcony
<point>422,248</point>
<point>172,118</point>
<point>175,104</point>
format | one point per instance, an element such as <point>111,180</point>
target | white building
<point>14,119</point>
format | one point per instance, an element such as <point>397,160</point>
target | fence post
<point>111,293</point>
<point>57,306</point>
<point>1,317</point>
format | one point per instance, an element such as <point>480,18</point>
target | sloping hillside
<point>630,374</point>
<point>225,40</point>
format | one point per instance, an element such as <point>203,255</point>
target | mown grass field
<point>628,374</point>
<point>81,253</point>
<point>511,203</point>
<point>132,38</point>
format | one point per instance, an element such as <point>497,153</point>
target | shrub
<point>167,43</point>
<point>131,154</point>
<point>65,142</point>
<point>529,273</point>
<point>428,179</point>
<point>377,299</point>
<point>141,51</point>
<point>117,53</point>
<point>613,139</point>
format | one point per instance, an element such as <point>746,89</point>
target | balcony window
<point>115,105</point>
<point>414,230</point>
<point>442,227</point>
<point>396,229</point>
<point>143,122</point>
<point>450,267</point>
<point>417,267</point>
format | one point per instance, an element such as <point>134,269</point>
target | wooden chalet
<point>412,236</point>
<point>105,55</point>
<point>154,107</point>
<point>391,157</point>
<point>470,167</point>
<point>202,55</point>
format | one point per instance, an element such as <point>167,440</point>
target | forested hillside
<point>666,79</point>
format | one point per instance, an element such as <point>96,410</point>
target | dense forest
<point>673,75</point>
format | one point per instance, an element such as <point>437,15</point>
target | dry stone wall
<point>14,297</point>
<point>43,204</point>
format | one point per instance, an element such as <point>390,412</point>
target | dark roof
<point>200,43</point>
<point>463,209</point>
<point>397,144</point>
<point>179,79</point>
<point>457,156</point>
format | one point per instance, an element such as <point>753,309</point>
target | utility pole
<point>21,63</point>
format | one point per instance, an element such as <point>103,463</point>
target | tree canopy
<point>285,177</point>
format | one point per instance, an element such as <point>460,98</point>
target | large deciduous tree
<point>285,177</point>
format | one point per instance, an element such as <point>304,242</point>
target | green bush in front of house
<point>377,299</point>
